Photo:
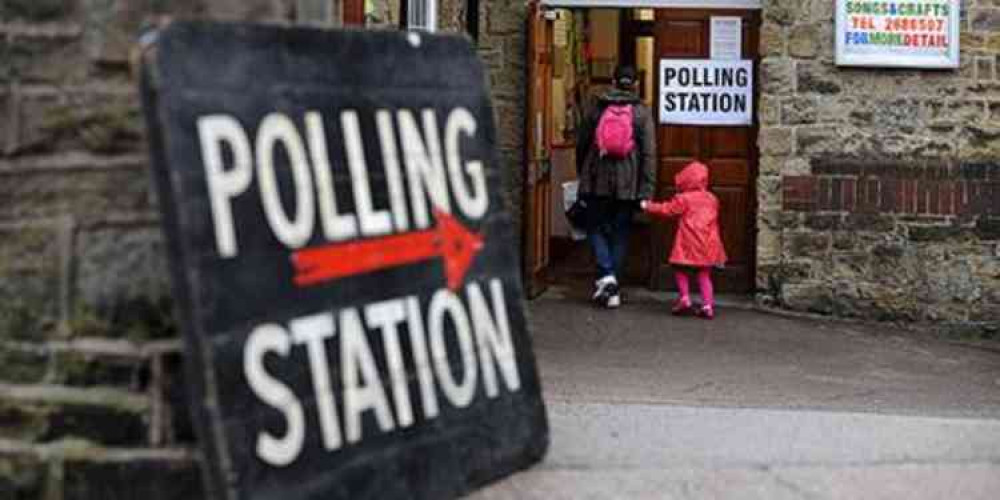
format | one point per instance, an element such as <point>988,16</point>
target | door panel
<point>729,152</point>
<point>729,172</point>
<point>669,168</point>
<point>354,13</point>
<point>678,142</point>
<point>538,147</point>
<point>723,173</point>
<point>728,142</point>
<point>732,201</point>
<point>686,37</point>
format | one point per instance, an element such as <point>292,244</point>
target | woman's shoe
<point>681,307</point>
<point>705,312</point>
<point>604,289</point>
<point>614,296</point>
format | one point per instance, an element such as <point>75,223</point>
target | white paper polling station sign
<point>352,309</point>
<point>706,92</point>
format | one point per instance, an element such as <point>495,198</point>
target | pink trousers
<point>704,285</point>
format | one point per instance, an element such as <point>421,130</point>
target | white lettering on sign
<point>363,388</point>
<point>373,222</point>
<point>444,305</point>
<point>313,332</point>
<point>493,338</point>
<point>393,175</point>
<point>336,226</point>
<point>223,183</point>
<point>424,166</point>
<point>270,338</point>
<point>474,201</point>
<point>415,324</point>
<point>415,185</point>
<point>293,232</point>
<point>482,337</point>
<point>386,317</point>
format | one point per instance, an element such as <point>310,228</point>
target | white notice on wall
<point>727,38</point>
<point>560,32</point>
<point>706,92</point>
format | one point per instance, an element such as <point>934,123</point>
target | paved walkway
<point>753,405</point>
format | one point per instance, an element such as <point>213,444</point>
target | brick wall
<point>886,189</point>
<point>879,188</point>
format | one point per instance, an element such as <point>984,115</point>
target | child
<point>697,243</point>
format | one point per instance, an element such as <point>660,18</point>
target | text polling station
<point>342,262</point>
<point>706,92</point>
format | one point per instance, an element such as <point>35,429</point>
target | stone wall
<point>91,395</point>
<point>878,198</point>
<point>879,189</point>
<point>502,49</point>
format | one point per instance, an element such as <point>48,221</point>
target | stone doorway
<point>581,48</point>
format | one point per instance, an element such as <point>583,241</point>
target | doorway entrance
<point>572,54</point>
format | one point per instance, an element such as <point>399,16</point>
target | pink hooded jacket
<point>697,242</point>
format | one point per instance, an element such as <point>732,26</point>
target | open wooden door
<point>538,152</point>
<point>729,152</point>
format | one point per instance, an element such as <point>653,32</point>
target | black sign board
<point>342,261</point>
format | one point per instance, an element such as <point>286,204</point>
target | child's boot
<point>682,306</point>
<point>706,312</point>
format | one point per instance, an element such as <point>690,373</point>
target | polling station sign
<point>353,316</point>
<point>898,34</point>
<point>706,92</point>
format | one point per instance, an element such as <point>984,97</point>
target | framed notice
<point>353,313</point>
<point>706,92</point>
<point>727,38</point>
<point>898,34</point>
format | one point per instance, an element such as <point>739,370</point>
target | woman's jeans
<point>608,233</point>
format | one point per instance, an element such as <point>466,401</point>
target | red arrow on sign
<point>449,240</point>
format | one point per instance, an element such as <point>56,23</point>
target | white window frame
<point>430,9</point>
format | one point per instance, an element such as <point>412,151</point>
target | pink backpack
<point>615,136</point>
